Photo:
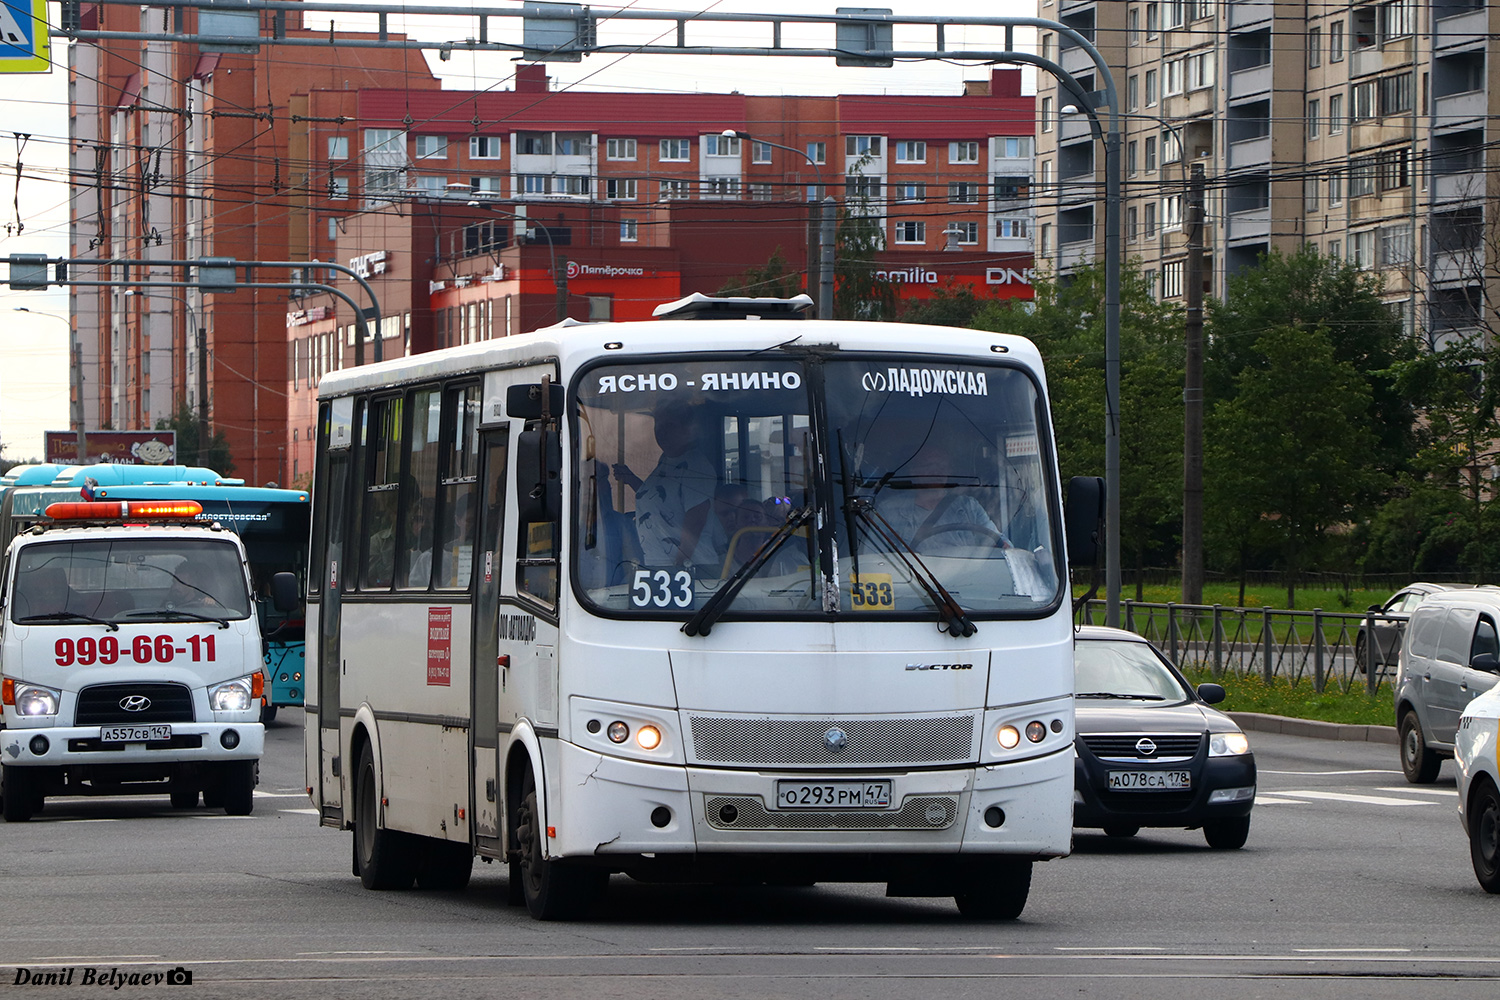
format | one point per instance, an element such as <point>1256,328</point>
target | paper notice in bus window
<point>440,646</point>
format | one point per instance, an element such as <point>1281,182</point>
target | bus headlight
<point>648,737</point>
<point>33,700</point>
<point>237,695</point>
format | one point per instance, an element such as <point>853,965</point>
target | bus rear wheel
<point>385,858</point>
<point>553,890</point>
<point>998,892</point>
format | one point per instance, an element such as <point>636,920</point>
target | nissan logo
<point>135,703</point>
<point>835,739</point>
<point>1145,746</point>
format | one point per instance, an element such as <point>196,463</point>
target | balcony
<point>1076,254</point>
<point>1250,153</point>
<point>1462,186</point>
<point>1369,59</point>
<point>1463,265</point>
<point>1243,13</point>
<point>1074,128</point>
<point>1456,108</point>
<point>1250,82</point>
<point>1252,224</point>
<point>1472,26</point>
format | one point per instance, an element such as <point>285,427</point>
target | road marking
<point>280,795</point>
<point>301,812</point>
<point>97,958</point>
<point>1365,771</point>
<point>1444,792</point>
<point>1104,947</point>
<point>1369,800</point>
<point>216,818</point>
<point>1353,951</point>
<point>1267,800</point>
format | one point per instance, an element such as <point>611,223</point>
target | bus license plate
<point>833,794</point>
<point>134,734</point>
<point>1149,781</point>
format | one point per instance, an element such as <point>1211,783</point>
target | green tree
<point>215,456</point>
<point>1289,453</point>
<point>1066,322</point>
<point>950,305</point>
<point>775,280</point>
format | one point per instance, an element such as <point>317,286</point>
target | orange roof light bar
<point>112,510</point>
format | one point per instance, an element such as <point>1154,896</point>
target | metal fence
<point>1323,648</point>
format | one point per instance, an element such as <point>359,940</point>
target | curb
<point>1316,730</point>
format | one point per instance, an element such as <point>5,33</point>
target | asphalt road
<point>1353,884</point>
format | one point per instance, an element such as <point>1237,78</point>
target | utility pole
<point>1192,399</point>
<point>202,335</point>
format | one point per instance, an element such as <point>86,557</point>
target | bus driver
<point>682,483</point>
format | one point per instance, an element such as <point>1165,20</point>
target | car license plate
<point>134,734</point>
<point>833,794</point>
<point>1149,781</point>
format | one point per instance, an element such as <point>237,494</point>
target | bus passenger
<point>682,482</point>
<point>419,545</point>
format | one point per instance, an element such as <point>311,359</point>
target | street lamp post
<point>559,276</point>
<point>825,204</point>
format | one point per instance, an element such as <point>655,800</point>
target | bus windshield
<point>129,580</point>
<point>912,478</point>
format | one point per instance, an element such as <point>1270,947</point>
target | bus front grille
<point>918,812</point>
<point>893,742</point>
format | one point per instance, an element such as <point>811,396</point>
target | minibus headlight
<point>231,696</point>
<point>1008,737</point>
<point>34,700</point>
<point>648,737</point>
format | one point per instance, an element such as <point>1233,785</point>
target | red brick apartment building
<point>458,206</point>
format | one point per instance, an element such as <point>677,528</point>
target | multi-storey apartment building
<point>1359,127</point>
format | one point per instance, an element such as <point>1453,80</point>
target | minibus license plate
<point>833,794</point>
<point>134,734</point>
<point>1149,781</point>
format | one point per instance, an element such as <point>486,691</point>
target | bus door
<point>331,770</point>
<point>485,711</point>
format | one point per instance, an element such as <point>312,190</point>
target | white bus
<point>770,599</point>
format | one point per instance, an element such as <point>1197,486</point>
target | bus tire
<point>445,866</point>
<point>21,797</point>
<point>998,892</point>
<point>554,890</point>
<point>238,787</point>
<point>386,858</point>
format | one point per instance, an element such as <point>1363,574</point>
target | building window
<point>1362,100</point>
<point>721,145</point>
<point>1394,94</point>
<point>432,147</point>
<point>964,233</point>
<point>674,190</point>
<point>485,185</point>
<point>1133,26</point>
<point>760,191</point>
<point>1171,80</point>
<point>533,144</point>
<point>719,188</point>
<point>629,232</point>
<point>1336,42</point>
<point>862,145</point>
<point>484,147</point>
<point>338,187</point>
<point>760,152</point>
<point>1153,20</point>
<point>1171,146</point>
<point>1046,237</point>
<point>1393,169</point>
<point>1335,114</point>
<point>911,192</point>
<point>1171,213</point>
<point>432,187</point>
<point>1171,280</point>
<point>1395,245</point>
<point>619,149</point>
<point>1173,11</point>
<point>963,152</point>
<point>1132,224</point>
<point>857,188</point>
<point>1015,147</point>
<point>1132,157</point>
<point>333,230</point>
<point>1153,287</point>
<point>1335,189</point>
<point>1314,48</point>
<point>1361,176</point>
<point>676,150</point>
<point>911,151</point>
<point>1310,194</point>
<point>911,232</point>
<point>1133,92</point>
<point>1150,154</point>
<point>1396,19</point>
<point>1200,71</point>
<point>534,184</point>
<point>1314,117</point>
<point>620,189</point>
<point>1336,250</point>
<point>1362,249</point>
<point>1012,229</point>
<point>385,164</point>
<point>1148,220</point>
<point>1046,175</point>
<point>1011,188</point>
<point>1046,114</point>
<point>963,193</point>
<point>1151,97</point>
<point>338,147</point>
<point>817,152</point>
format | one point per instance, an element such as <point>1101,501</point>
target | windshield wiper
<point>702,623</point>
<point>69,616</point>
<point>1121,697</point>
<point>190,615</point>
<point>950,613</point>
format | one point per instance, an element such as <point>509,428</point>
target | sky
<point>33,345</point>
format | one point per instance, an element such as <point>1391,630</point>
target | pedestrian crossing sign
<point>25,45</point>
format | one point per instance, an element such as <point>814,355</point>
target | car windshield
<point>135,579</point>
<point>1115,668</point>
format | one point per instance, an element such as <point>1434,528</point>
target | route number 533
<point>662,588</point>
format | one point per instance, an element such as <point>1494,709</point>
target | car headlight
<point>1227,744</point>
<point>238,695</point>
<point>33,700</point>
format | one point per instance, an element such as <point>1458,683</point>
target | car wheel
<point>386,858</point>
<point>999,893</point>
<point>1359,654</point>
<point>1418,763</point>
<point>1484,837</point>
<point>1227,834</point>
<point>238,787</point>
<point>1121,830</point>
<point>20,796</point>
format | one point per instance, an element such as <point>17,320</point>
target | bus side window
<point>419,499</point>
<point>539,548</point>
<point>455,552</point>
<point>381,495</point>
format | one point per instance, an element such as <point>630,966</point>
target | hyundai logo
<point>835,738</point>
<point>1145,746</point>
<point>135,703</point>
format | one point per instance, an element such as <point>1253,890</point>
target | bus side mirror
<point>528,401</point>
<point>538,476</point>
<point>1083,516</point>
<point>286,596</point>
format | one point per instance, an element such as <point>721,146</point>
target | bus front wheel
<point>997,893</point>
<point>553,890</point>
<point>385,858</point>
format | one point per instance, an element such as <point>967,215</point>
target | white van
<point>1449,656</point>
<point>130,659</point>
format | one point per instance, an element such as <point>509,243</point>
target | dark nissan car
<point>1150,751</point>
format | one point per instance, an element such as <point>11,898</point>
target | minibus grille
<point>101,704</point>
<point>866,743</point>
